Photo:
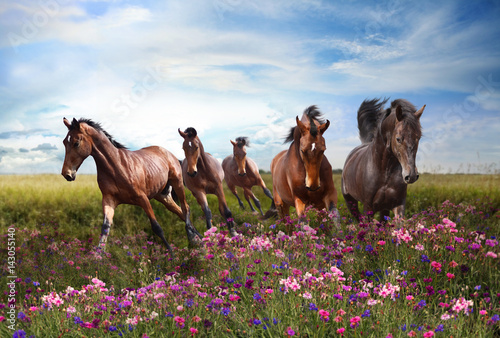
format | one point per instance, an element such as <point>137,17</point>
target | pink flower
<point>193,330</point>
<point>412,334</point>
<point>323,313</point>
<point>453,264</point>
<point>338,319</point>
<point>483,312</point>
<point>436,265</point>
<point>410,297</point>
<point>209,256</point>
<point>290,331</point>
<point>71,263</point>
<point>450,275</point>
<point>196,319</point>
<point>355,321</point>
<point>179,320</point>
<point>341,331</point>
<point>491,254</point>
<point>389,335</point>
<point>428,334</point>
<point>381,242</point>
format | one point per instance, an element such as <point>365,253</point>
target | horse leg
<point>300,207</point>
<point>224,210</point>
<point>108,208</point>
<point>155,226</point>
<point>249,195</point>
<point>399,211</point>
<point>232,188</point>
<point>352,205</point>
<point>334,213</point>
<point>201,198</point>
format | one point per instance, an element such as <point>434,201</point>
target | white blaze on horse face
<point>313,146</point>
<point>190,144</point>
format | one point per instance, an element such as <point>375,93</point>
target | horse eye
<point>398,139</point>
<point>77,144</point>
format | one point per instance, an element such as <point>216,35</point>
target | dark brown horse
<point>127,177</point>
<point>203,175</point>
<point>302,175</point>
<point>242,171</point>
<point>377,172</point>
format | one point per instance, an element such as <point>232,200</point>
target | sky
<point>230,68</point>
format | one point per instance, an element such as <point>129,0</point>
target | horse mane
<point>369,114</point>
<point>313,114</point>
<point>97,126</point>
<point>242,141</point>
<point>191,132</point>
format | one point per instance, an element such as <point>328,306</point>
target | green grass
<point>30,201</point>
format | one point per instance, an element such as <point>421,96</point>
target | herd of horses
<point>376,173</point>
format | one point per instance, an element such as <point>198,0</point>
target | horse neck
<point>106,155</point>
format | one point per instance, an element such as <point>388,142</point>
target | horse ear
<point>301,125</point>
<point>183,134</point>
<point>75,124</point>
<point>233,143</point>
<point>419,112</point>
<point>66,123</point>
<point>322,128</point>
<point>399,113</point>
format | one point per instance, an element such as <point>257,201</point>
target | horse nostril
<point>417,177</point>
<point>243,174</point>
<point>193,174</point>
<point>407,178</point>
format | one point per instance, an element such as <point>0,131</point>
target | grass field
<point>434,274</point>
<point>76,206</point>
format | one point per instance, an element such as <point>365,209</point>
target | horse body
<point>126,177</point>
<point>302,175</point>
<point>203,175</point>
<point>378,171</point>
<point>242,171</point>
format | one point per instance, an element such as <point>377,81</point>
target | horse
<point>302,175</point>
<point>127,177</point>
<point>242,171</point>
<point>203,175</point>
<point>377,172</point>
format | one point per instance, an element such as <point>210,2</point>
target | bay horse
<point>242,171</point>
<point>302,174</point>
<point>203,175</point>
<point>377,172</point>
<point>127,177</point>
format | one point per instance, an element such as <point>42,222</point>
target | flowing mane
<point>243,141</point>
<point>97,126</point>
<point>313,114</point>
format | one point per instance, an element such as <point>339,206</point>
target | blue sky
<point>234,68</point>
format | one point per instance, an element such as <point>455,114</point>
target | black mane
<point>242,141</point>
<point>371,115</point>
<point>313,114</point>
<point>97,126</point>
<point>191,132</point>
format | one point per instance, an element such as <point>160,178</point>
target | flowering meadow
<point>435,274</point>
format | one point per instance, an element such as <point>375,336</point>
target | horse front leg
<point>193,235</point>
<point>249,195</point>
<point>399,211</point>
<point>108,208</point>
<point>201,198</point>
<point>232,188</point>
<point>224,211</point>
<point>300,207</point>
<point>352,205</point>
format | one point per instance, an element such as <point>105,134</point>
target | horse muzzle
<point>69,175</point>
<point>314,188</point>
<point>192,174</point>
<point>242,174</point>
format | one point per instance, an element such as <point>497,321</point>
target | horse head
<point>192,147</point>
<point>78,145</point>
<point>404,142</point>
<point>240,154</point>
<point>311,149</point>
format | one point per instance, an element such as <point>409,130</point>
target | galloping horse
<point>302,175</point>
<point>203,175</point>
<point>378,171</point>
<point>242,171</point>
<point>127,177</point>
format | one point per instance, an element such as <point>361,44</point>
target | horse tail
<point>368,115</point>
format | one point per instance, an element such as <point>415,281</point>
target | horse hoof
<point>233,233</point>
